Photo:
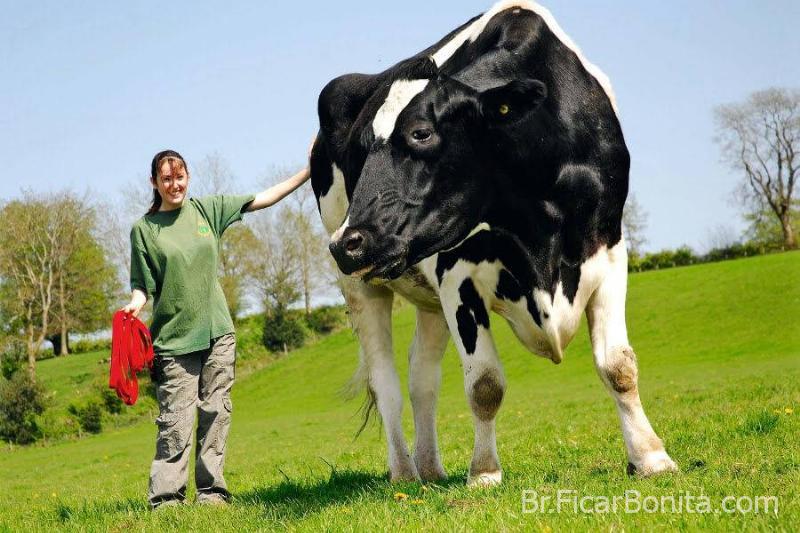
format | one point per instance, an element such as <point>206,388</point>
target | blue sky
<point>89,91</point>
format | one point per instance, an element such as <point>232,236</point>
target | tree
<point>238,259</point>
<point>634,223</point>
<point>85,278</point>
<point>212,175</point>
<point>315,264</point>
<point>764,228</point>
<point>761,137</point>
<point>721,236</point>
<point>276,277</point>
<point>54,276</point>
<point>87,289</point>
<point>30,235</point>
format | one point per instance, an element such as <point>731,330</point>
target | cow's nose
<point>349,250</point>
<point>353,242</point>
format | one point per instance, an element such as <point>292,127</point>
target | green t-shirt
<point>174,259</point>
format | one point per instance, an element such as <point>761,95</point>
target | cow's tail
<point>358,383</point>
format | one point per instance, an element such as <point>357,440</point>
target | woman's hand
<point>138,299</point>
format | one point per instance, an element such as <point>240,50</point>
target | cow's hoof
<point>433,472</point>
<point>403,475</point>
<point>485,479</point>
<point>653,463</point>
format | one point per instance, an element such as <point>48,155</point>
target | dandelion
<point>417,502</point>
<point>788,410</point>
<point>400,496</point>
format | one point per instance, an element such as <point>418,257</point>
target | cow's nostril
<point>353,242</point>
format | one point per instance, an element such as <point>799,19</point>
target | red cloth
<point>131,351</point>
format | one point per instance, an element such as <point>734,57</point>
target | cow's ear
<point>512,101</point>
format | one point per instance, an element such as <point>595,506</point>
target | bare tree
<point>31,235</point>
<point>212,175</point>
<point>276,276</point>
<point>721,236</point>
<point>315,262</point>
<point>634,224</point>
<point>240,253</point>
<point>761,137</point>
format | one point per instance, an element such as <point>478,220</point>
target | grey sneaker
<point>211,499</point>
<point>169,503</point>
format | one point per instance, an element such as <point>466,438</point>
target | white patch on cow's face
<point>333,206</point>
<point>339,232</point>
<point>473,31</point>
<point>400,94</point>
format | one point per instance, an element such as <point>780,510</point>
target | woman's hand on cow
<point>138,299</point>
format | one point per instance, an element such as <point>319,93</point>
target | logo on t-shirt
<point>203,230</point>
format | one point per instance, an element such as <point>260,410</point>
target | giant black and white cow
<point>486,173</point>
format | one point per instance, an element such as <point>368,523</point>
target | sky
<point>90,91</point>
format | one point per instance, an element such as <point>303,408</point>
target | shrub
<point>249,335</point>
<point>110,401</point>
<point>21,400</point>
<point>12,357</point>
<point>282,331</point>
<point>90,345</point>
<point>90,416</point>
<point>326,319</point>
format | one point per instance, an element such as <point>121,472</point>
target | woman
<point>174,256</point>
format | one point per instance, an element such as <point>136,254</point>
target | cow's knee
<point>486,395</point>
<point>620,369</point>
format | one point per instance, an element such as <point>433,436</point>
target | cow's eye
<point>421,135</point>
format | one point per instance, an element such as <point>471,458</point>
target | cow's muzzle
<point>358,254</point>
<point>347,249</point>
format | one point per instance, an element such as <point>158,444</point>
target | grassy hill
<point>719,353</point>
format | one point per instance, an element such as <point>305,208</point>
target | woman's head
<point>169,176</point>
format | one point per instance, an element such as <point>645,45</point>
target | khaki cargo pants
<point>186,385</point>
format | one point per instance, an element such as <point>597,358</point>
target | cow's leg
<point>424,377</point>
<point>615,362</point>
<point>371,314</point>
<point>467,314</point>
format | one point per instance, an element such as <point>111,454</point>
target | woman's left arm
<point>278,191</point>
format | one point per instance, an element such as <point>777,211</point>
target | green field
<point>719,355</point>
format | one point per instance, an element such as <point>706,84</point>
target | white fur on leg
<point>616,364</point>
<point>371,314</point>
<point>485,468</point>
<point>424,378</point>
<point>484,382</point>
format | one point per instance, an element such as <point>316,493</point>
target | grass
<point>719,355</point>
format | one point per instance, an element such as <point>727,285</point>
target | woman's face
<point>171,185</point>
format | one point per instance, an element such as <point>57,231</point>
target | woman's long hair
<point>176,163</point>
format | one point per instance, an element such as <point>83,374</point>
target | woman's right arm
<point>138,299</point>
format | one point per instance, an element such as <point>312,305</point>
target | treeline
<point>685,256</point>
<point>764,235</point>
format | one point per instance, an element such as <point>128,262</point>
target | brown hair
<point>176,163</point>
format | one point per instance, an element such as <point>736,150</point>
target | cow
<point>487,173</point>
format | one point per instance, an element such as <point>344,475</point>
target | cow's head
<point>433,157</point>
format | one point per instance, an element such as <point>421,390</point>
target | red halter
<point>131,351</point>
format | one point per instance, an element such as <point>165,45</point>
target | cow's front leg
<point>424,378</point>
<point>615,362</point>
<point>467,313</point>
<point>371,314</point>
